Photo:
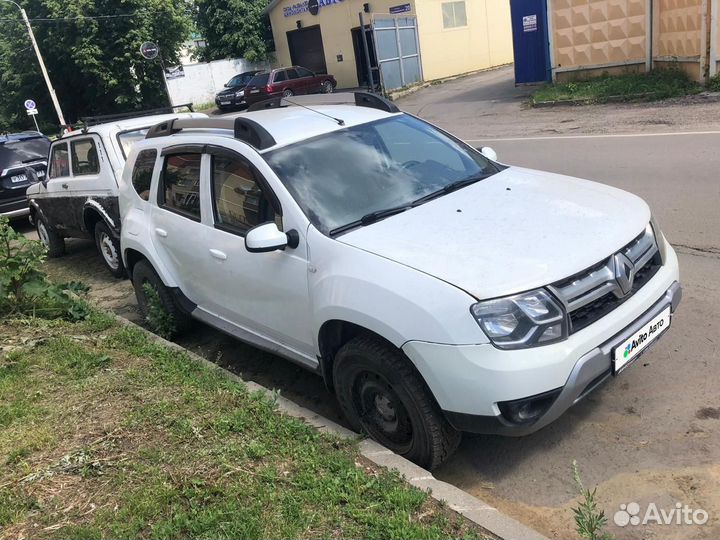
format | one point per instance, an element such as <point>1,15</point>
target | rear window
<point>259,80</point>
<point>128,138</point>
<point>17,152</point>
<point>142,173</point>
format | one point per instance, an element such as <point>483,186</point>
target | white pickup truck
<point>434,289</point>
<point>79,196</point>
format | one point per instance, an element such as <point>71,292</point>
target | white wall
<point>203,80</point>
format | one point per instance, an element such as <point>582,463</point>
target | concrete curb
<point>472,508</point>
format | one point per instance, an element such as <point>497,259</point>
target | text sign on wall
<point>530,23</point>
<point>302,7</point>
<point>404,8</point>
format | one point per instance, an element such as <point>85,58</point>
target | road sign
<point>32,112</point>
<point>149,50</point>
<point>30,104</point>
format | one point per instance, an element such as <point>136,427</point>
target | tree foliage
<point>233,29</point>
<point>94,63</point>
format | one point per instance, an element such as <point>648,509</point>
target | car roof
<point>22,136</point>
<point>130,124</point>
<point>288,125</point>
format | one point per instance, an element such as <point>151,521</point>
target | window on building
<point>454,14</point>
<point>59,162</point>
<point>142,173</point>
<point>180,190</point>
<point>239,202</point>
<point>84,157</point>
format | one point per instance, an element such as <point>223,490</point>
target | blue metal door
<point>530,41</point>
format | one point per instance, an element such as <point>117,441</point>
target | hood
<point>231,90</point>
<point>517,230</point>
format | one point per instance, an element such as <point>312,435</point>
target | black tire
<point>381,394</point>
<point>54,243</point>
<point>109,248</point>
<point>288,93</point>
<point>327,87</point>
<point>143,273</point>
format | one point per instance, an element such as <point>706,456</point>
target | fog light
<point>530,409</point>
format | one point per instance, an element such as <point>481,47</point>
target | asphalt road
<point>650,436</point>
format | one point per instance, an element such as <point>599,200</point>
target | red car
<point>287,82</point>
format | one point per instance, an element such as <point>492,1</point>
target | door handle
<point>64,186</point>
<point>161,232</point>
<point>219,255</point>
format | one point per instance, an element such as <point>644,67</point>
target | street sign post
<point>31,110</point>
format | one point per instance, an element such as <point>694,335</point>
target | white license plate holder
<point>630,350</point>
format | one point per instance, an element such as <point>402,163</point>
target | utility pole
<point>53,97</point>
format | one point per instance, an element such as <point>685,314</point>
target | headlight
<point>523,320</point>
<point>240,93</point>
<point>659,238</point>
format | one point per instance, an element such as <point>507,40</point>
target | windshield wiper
<point>372,217</point>
<point>453,186</point>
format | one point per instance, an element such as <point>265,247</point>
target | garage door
<point>306,49</point>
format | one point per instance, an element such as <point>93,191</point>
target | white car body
<point>412,278</point>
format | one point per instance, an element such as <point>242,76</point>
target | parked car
<point>234,93</point>
<point>18,152</point>
<point>287,82</point>
<point>78,198</point>
<point>435,290</point>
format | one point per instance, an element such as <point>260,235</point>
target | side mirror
<point>33,176</point>
<point>488,153</point>
<point>226,85</point>
<point>267,237</point>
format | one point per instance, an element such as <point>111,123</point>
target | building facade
<point>403,42</point>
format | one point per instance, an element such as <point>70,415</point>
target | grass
<point>658,84</point>
<point>106,434</point>
<point>204,107</point>
<point>714,84</point>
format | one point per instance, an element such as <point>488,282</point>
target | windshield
<point>128,138</point>
<point>15,152</point>
<point>261,79</point>
<point>340,177</point>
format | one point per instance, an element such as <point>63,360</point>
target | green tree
<point>91,49</point>
<point>233,29</point>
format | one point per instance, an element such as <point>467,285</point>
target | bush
<point>25,288</point>
<point>714,84</point>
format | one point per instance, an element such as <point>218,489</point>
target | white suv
<point>435,290</point>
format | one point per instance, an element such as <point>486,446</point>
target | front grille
<point>595,292</point>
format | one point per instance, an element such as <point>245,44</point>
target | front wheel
<point>381,394</point>
<point>327,87</point>
<point>109,248</point>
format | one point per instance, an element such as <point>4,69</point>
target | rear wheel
<point>54,243</point>
<point>382,395</point>
<point>327,87</point>
<point>109,248</point>
<point>288,93</point>
<point>144,275</point>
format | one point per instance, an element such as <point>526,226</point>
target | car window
<point>292,74</point>
<point>84,156</point>
<point>260,79</point>
<point>375,166</point>
<point>142,173</point>
<point>239,202</point>
<point>128,138</point>
<point>19,151</point>
<point>280,76</point>
<point>180,186</point>
<point>59,161</point>
<point>302,72</point>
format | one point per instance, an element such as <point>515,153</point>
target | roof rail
<point>359,99</point>
<point>88,121</point>
<point>244,129</point>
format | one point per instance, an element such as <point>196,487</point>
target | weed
<point>714,83</point>
<point>159,320</point>
<point>589,521</point>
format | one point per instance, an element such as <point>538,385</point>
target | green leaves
<point>234,29</point>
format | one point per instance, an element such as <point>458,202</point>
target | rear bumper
<point>592,370</point>
<point>15,207</point>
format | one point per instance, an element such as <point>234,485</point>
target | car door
<point>280,82</point>
<point>177,232</point>
<point>52,197</point>
<point>266,293</point>
<point>311,84</point>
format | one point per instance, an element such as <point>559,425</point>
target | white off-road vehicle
<point>435,290</point>
<point>79,196</point>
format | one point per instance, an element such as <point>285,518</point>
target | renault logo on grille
<point>624,273</point>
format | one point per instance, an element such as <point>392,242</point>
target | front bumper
<point>230,101</point>
<point>472,382</point>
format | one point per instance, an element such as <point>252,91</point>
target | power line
<point>81,17</point>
